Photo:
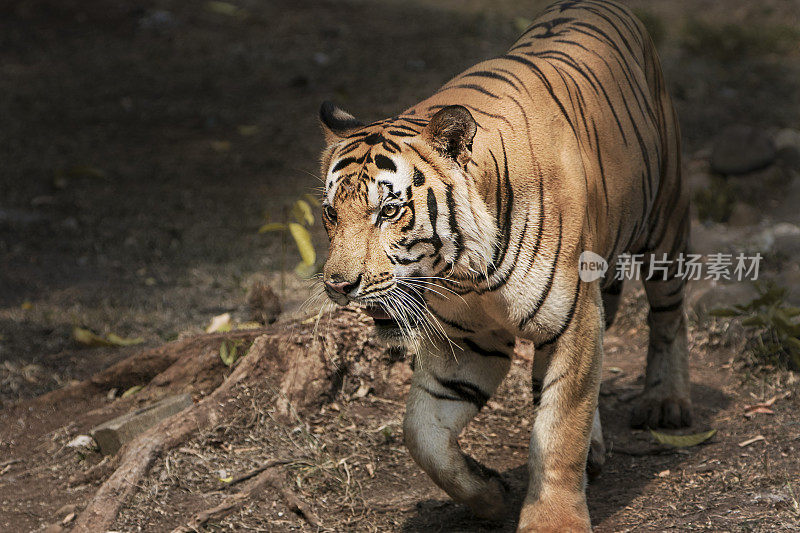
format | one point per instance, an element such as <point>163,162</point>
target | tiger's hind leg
<point>666,400</point>
<point>611,296</point>
<point>447,391</point>
<point>597,448</point>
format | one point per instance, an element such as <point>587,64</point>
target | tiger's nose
<point>343,287</point>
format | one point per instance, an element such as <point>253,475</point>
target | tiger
<point>458,226</point>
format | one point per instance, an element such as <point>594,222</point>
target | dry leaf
<point>302,212</point>
<point>362,391</point>
<point>246,130</point>
<point>758,409</point>
<point>26,305</point>
<point>220,324</point>
<point>85,171</point>
<point>130,392</point>
<point>683,441</point>
<point>116,340</point>
<point>272,226</point>
<point>303,239</point>
<point>221,146</point>
<point>87,338</point>
<point>225,8</point>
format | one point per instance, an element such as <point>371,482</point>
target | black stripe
<point>419,178</point>
<point>343,163</point>
<point>667,308</point>
<point>465,391</point>
<point>459,240</point>
<point>483,351</point>
<point>476,87</point>
<point>384,163</point>
<point>440,396</point>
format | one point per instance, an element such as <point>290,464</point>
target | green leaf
<point>272,226</point>
<point>724,312</point>
<point>228,352</point>
<point>130,392</point>
<point>302,213</point>
<point>303,240</point>
<point>683,441</point>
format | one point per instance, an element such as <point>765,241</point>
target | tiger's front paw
<point>657,408</point>
<point>564,513</point>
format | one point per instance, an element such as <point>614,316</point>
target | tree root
<point>137,456</point>
<point>270,476</point>
<point>306,363</point>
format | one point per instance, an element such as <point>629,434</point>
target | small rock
<point>742,149</point>
<point>81,441</point>
<point>264,304</point>
<point>69,518</point>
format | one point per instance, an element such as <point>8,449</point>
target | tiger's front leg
<point>449,387</point>
<point>556,498</point>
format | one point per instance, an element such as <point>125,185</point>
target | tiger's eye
<point>390,211</point>
<point>330,213</point>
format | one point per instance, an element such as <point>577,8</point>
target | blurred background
<point>144,143</point>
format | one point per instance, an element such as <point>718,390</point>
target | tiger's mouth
<point>400,318</point>
<point>378,314</point>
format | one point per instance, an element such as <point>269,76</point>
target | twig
<point>269,476</point>
<point>256,471</point>
<point>10,462</point>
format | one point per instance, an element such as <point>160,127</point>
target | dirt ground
<point>144,143</point>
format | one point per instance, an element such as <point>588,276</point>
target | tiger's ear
<point>336,123</point>
<point>451,131</point>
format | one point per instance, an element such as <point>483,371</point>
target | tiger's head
<point>401,212</point>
